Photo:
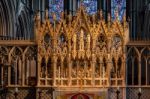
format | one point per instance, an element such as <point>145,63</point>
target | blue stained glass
<point>56,6</point>
<point>120,6</point>
<point>90,5</point>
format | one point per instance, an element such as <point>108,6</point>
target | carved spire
<point>101,14</point>
<point>46,14</point>
<point>54,16</point>
<point>62,15</point>
<point>70,17</point>
<point>93,18</point>
<point>37,19</point>
<point>124,20</point>
<point>54,19</point>
<point>109,20</point>
<point>116,15</point>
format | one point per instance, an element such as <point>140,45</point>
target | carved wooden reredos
<point>81,50</point>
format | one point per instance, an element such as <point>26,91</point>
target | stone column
<point>139,70</point>
<point>70,69</point>
<point>93,68</point>
<point>54,66</point>
<point>23,71</point>
<point>39,71</point>
<point>2,72</point>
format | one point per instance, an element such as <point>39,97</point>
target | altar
<point>86,94</point>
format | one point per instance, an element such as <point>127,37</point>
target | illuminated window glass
<point>90,5</point>
<point>56,6</point>
<point>119,5</point>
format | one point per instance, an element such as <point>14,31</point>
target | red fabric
<point>84,96</point>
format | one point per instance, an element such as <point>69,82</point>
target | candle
<point>16,89</point>
<point>118,88</point>
<point>2,82</point>
<point>140,90</point>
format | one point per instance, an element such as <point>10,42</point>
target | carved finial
<point>101,14</point>
<point>82,33</point>
<point>37,19</point>
<point>116,15</point>
<point>54,16</point>
<point>38,16</point>
<point>46,14</point>
<point>109,20</point>
<point>62,15</point>
<point>124,20</point>
<point>124,17</point>
<point>109,17</point>
<point>70,17</point>
<point>93,18</point>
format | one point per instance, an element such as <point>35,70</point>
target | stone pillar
<point>109,67</point>
<point>123,69</point>
<point>54,66</point>
<point>62,71</point>
<point>93,68</point>
<point>2,72</point>
<point>39,71</point>
<point>70,69</point>
<point>139,70</point>
<point>23,72</point>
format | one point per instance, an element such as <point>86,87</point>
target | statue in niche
<point>57,73</point>
<point>97,73</point>
<point>89,71</point>
<point>74,72</point>
<point>101,41</point>
<point>82,40</point>
<point>74,41</point>
<point>43,72</point>
<point>88,41</point>
<point>117,42</point>
<point>80,72</point>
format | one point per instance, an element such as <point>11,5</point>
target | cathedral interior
<point>74,49</point>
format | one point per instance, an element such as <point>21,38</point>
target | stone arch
<point>133,49</point>
<point>133,64</point>
<point>29,56</point>
<point>145,53</point>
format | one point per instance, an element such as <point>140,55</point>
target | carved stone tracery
<point>83,52</point>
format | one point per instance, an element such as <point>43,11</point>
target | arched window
<point>56,6</point>
<point>118,5</point>
<point>90,5</point>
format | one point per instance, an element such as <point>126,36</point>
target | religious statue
<point>88,41</point>
<point>81,40</point>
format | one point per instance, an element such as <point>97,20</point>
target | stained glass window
<point>118,5</point>
<point>90,5</point>
<point>56,6</point>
